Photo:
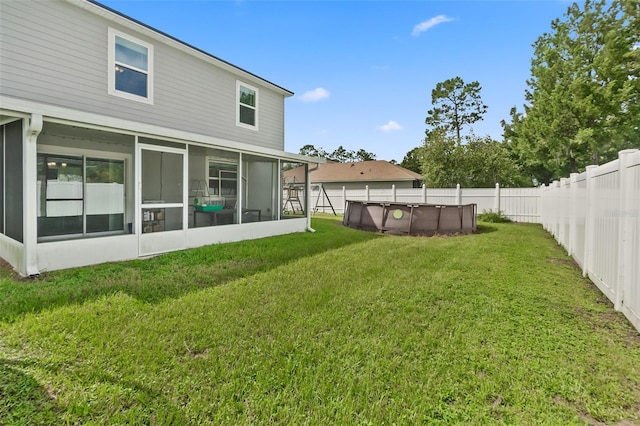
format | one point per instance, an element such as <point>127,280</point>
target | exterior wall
<point>197,237</point>
<point>55,52</point>
<point>76,253</point>
<point>13,252</point>
<point>82,252</point>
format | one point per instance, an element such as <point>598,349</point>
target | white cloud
<point>315,95</point>
<point>425,25</point>
<point>391,126</point>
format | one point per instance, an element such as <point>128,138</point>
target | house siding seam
<point>68,68</point>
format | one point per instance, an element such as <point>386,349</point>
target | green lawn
<point>336,327</point>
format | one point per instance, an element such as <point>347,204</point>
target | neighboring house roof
<point>364,171</point>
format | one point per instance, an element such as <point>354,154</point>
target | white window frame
<point>111,63</point>
<point>255,89</point>
<point>219,178</point>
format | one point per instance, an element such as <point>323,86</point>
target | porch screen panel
<point>260,185</point>
<point>162,177</point>
<point>13,179</point>
<point>105,195</point>
<point>294,187</point>
<point>162,183</point>
<point>60,195</point>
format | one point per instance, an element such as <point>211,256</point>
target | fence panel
<point>381,194</point>
<point>521,204</point>
<point>410,195</point>
<point>564,206</point>
<point>484,198</point>
<point>441,196</point>
<point>602,268</point>
<point>579,204</point>
<point>596,216</point>
<point>630,248</point>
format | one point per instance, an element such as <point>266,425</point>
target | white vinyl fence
<point>519,204</point>
<point>595,215</point>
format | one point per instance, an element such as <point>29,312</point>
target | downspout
<point>307,191</point>
<point>29,213</point>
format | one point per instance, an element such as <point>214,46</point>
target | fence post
<point>458,195</point>
<point>555,227</point>
<point>542,206</point>
<point>366,192</point>
<point>424,193</point>
<point>563,203</point>
<point>625,215</point>
<point>496,199</point>
<point>573,213</point>
<point>344,199</point>
<point>393,193</point>
<point>588,222</point>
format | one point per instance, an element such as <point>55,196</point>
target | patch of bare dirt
<point>586,418</point>
<point>6,270</point>
<point>566,262</point>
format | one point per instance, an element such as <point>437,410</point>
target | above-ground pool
<point>410,218</point>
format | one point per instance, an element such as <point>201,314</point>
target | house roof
<point>364,171</point>
<point>185,46</point>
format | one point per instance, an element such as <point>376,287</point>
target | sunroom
<point>75,194</point>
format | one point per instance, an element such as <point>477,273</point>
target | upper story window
<point>247,112</point>
<point>130,67</point>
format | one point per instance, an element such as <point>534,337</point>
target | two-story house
<point>118,141</point>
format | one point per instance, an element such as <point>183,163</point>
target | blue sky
<point>363,71</point>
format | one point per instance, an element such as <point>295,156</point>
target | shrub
<point>493,217</point>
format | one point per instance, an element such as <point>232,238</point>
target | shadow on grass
<point>24,398</point>
<point>483,228</point>
<point>173,274</point>
<point>25,401</point>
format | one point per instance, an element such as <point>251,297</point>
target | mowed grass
<point>336,327</point>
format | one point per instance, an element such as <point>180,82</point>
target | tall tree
<point>312,151</point>
<point>362,155</point>
<point>455,105</point>
<point>480,162</point>
<point>583,99</point>
<point>442,160</point>
<point>340,154</point>
<point>487,161</point>
<point>413,160</point>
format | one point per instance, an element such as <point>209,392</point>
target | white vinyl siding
<point>130,62</point>
<point>67,66</point>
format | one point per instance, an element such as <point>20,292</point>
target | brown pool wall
<point>410,218</point>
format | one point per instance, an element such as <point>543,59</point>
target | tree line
<point>340,154</point>
<point>582,106</point>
